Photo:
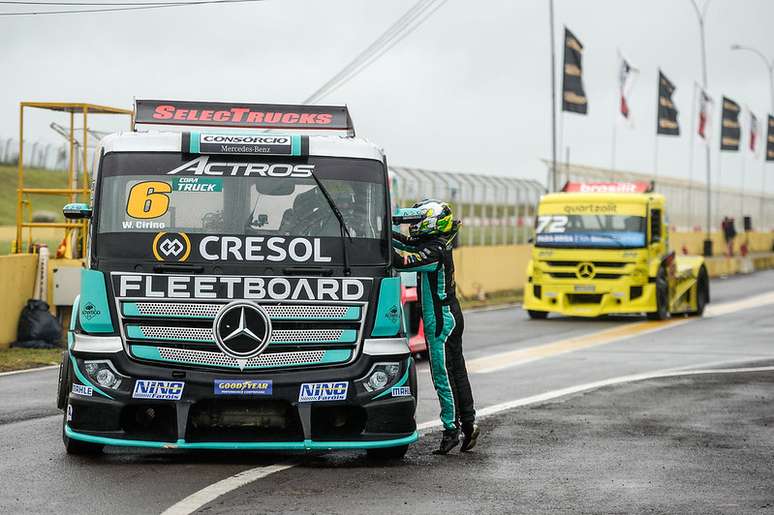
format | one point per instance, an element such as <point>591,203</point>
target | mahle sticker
<point>197,184</point>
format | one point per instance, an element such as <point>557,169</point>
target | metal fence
<point>494,210</point>
<point>687,200</point>
<point>47,156</point>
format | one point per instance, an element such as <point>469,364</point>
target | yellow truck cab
<point>603,248</point>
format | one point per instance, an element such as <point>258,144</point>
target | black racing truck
<point>238,292</point>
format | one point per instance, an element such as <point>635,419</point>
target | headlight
<point>103,373</point>
<point>381,375</point>
<point>639,274</point>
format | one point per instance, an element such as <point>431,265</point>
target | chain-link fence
<point>687,200</point>
<point>494,210</point>
<point>48,156</point>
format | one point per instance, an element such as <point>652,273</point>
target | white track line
<point>199,499</point>
<point>28,370</point>
<point>208,494</point>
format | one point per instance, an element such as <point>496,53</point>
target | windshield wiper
<point>342,224</point>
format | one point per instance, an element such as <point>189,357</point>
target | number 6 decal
<point>148,199</point>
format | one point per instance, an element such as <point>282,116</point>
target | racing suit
<point>432,259</point>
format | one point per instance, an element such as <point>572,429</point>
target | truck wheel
<point>702,292</point>
<point>387,453</point>
<point>537,315</point>
<point>64,385</point>
<point>77,447</point>
<point>662,297</point>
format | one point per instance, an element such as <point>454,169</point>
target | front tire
<point>537,315</point>
<point>387,453</point>
<point>65,383</point>
<point>662,297</point>
<point>702,292</point>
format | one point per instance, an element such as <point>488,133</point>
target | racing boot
<point>450,440</point>
<point>470,432</point>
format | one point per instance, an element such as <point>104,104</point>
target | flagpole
<point>700,14</point>
<point>690,155</point>
<point>551,180</point>
<point>612,161</point>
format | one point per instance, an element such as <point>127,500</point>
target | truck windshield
<point>590,231</point>
<point>259,206</point>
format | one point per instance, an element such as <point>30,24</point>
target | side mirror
<point>77,211</point>
<point>406,215</point>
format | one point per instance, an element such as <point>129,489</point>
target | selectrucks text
<point>233,287</point>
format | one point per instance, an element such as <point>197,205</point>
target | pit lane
<point>39,477</point>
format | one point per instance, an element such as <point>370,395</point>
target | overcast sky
<point>468,91</point>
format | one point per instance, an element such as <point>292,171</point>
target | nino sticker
<point>89,311</point>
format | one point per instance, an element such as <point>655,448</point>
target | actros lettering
<point>203,166</point>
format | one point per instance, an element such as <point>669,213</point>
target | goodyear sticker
<point>242,387</point>
<point>197,184</point>
<point>311,392</point>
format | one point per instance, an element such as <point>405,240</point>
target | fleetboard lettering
<point>228,287</point>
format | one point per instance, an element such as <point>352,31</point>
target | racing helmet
<point>436,219</point>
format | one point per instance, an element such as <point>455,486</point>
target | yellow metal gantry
<point>72,191</point>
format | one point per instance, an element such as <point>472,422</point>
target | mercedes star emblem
<point>242,330</point>
<point>585,271</point>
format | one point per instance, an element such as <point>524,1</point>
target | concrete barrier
<point>17,277</point>
<point>489,269</point>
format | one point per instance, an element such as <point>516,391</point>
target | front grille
<point>584,298</point>
<point>267,360</point>
<point>201,310</point>
<point>603,264</point>
<point>563,275</point>
<point>303,334</point>
<point>205,334</point>
<point>607,276</point>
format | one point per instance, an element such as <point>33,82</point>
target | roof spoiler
<point>609,187</point>
<point>186,115</point>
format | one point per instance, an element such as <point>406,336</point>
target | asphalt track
<point>528,458</point>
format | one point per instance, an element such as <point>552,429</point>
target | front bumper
<point>202,419</point>
<point>576,299</point>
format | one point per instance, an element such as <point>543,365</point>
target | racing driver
<point>428,251</point>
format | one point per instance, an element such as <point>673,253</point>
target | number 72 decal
<point>551,223</point>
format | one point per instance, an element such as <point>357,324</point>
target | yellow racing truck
<point>603,248</point>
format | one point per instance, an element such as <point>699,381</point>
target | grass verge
<point>21,359</point>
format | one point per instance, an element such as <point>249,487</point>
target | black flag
<point>729,126</point>
<point>667,113</point>
<point>573,95</point>
<point>770,140</point>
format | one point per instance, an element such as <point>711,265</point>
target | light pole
<point>770,66</point>
<point>551,180</point>
<point>701,14</point>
